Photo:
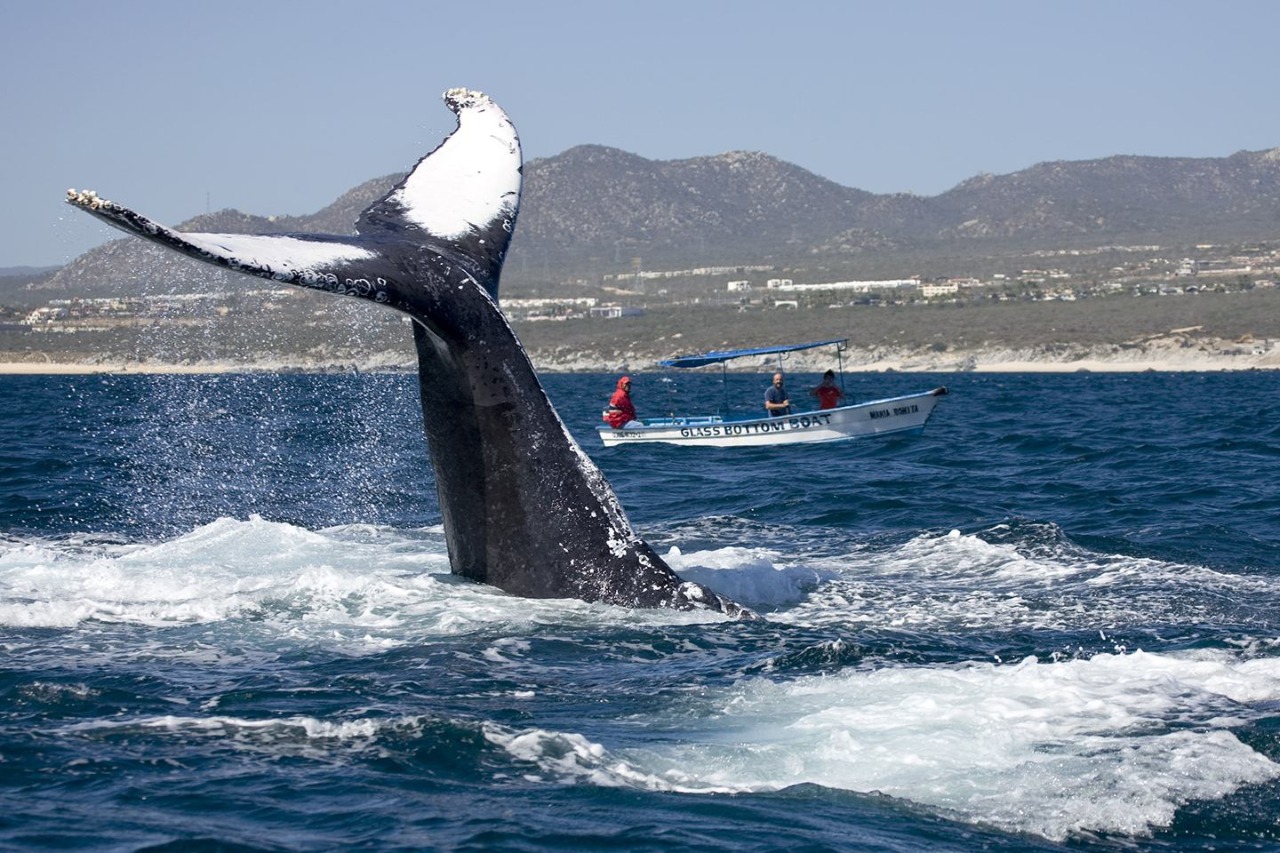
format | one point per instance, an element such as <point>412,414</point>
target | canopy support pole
<point>724,389</point>
<point>840,348</point>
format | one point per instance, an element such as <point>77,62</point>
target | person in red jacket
<point>828,393</point>
<point>621,410</point>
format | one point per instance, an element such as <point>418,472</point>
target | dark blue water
<point>1050,621</point>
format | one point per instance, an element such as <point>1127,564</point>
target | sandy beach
<point>1158,356</point>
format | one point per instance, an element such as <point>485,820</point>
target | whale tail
<point>460,201</point>
<point>524,508</point>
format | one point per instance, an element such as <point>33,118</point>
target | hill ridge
<point>594,209</point>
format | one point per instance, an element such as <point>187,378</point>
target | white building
<point>943,288</point>
<point>856,286</point>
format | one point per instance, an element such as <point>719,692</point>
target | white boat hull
<point>878,417</point>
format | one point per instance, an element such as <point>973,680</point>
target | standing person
<point>776,401</point>
<point>621,410</point>
<point>828,393</point>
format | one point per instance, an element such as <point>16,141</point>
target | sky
<point>278,107</point>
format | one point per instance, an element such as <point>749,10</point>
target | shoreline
<point>853,362</point>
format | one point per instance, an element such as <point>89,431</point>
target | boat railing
<point>700,420</point>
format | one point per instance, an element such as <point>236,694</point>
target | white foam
<point>1109,743</point>
<point>1112,744</point>
<point>269,572</point>
<point>956,582</point>
<point>361,587</point>
<point>295,736</point>
<point>749,576</point>
<point>364,577</point>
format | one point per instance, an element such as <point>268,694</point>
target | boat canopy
<point>703,359</point>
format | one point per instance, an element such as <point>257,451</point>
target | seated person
<point>621,412</point>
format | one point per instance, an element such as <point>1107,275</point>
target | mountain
<point>1162,198</point>
<point>16,272</point>
<point>593,201</point>
<point>751,208</point>
<point>593,210</point>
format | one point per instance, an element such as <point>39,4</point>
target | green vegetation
<point>313,327</point>
<point>663,332</point>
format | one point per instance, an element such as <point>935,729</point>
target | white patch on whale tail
<point>472,179</point>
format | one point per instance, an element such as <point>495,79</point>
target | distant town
<point>742,287</point>
<point>682,302</point>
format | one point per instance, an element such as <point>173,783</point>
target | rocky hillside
<point>596,202</point>
<point>1162,198</point>
<point>594,209</point>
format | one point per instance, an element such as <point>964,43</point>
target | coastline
<point>1161,354</point>
<point>1158,357</point>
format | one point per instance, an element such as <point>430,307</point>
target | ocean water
<point>1051,621</point>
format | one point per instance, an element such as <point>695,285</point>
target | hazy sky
<point>278,107</point>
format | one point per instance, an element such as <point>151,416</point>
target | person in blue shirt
<point>776,401</point>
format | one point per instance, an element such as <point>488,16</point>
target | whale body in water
<point>524,508</point>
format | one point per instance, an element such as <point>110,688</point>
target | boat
<point>888,416</point>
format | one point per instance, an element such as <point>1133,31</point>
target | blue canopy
<point>703,359</point>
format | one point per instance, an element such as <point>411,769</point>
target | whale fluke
<point>524,508</point>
